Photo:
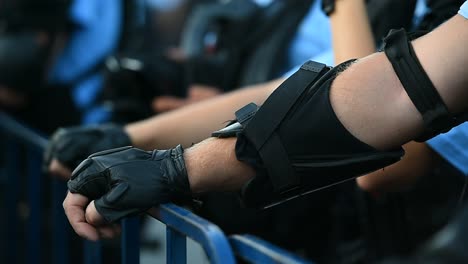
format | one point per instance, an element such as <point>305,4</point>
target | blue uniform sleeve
<point>453,147</point>
<point>464,10</point>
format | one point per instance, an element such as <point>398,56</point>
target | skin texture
<point>355,40</point>
<point>360,96</point>
<point>187,125</point>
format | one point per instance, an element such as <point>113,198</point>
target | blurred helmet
<point>19,15</point>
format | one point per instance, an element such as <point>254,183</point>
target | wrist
<point>212,166</point>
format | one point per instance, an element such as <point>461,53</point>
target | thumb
<point>56,168</point>
<point>112,206</point>
<point>93,217</point>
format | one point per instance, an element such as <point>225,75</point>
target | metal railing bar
<point>176,247</point>
<point>34,184</point>
<point>61,230</point>
<point>130,240</point>
<point>210,236</point>
<point>256,250</point>
<point>12,199</point>
<point>21,132</point>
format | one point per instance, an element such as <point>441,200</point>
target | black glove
<point>127,181</point>
<point>72,145</point>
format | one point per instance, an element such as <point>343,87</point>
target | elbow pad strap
<point>296,143</point>
<point>263,134</point>
<point>417,85</point>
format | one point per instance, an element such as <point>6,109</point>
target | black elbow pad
<point>297,144</point>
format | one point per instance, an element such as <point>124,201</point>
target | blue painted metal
<point>21,132</point>
<point>12,199</point>
<point>34,179</point>
<point>176,247</point>
<point>180,222</point>
<point>210,237</point>
<point>255,250</point>
<point>130,240</point>
<point>92,252</point>
<point>61,230</point>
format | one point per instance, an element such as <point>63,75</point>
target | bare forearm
<point>212,166</point>
<point>351,31</point>
<point>419,160</point>
<point>371,103</point>
<point>368,99</point>
<point>193,123</point>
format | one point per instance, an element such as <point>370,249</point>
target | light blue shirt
<point>96,35</point>
<point>464,10</point>
<point>313,40</point>
<point>453,145</point>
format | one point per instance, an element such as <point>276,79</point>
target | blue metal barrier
<point>255,250</point>
<point>180,223</point>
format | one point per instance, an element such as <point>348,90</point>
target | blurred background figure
<point>51,52</point>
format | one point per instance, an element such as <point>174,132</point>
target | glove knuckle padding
<point>126,181</point>
<point>72,145</point>
<point>298,145</point>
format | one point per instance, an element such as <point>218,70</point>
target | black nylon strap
<point>270,115</point>
<point>417,84</point>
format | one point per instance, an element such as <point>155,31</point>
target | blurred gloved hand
<point>70,146</point>
<point>127,181</point>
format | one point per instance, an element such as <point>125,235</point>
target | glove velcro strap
<point>270,115</point>
<point>417,84</point>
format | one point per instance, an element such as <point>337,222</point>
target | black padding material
<point>308,149</point>
<point>417,84</point>
<point>272,113</point>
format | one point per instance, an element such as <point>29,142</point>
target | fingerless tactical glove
<point>72,145</point>
<point>127,181</point>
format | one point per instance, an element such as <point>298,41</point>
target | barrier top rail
<point>21,132</point>
<point>256,250</point>
<point>181,221</point>
<point>210,236</point>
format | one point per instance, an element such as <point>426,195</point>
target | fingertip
<point>56,168</point>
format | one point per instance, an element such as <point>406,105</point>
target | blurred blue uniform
<point>313,39</point>
<point>453,145</point>
<point>95,35</point>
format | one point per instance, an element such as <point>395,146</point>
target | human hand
<point>419,160</point>
<point>85,220</point>
<point>128,181</point>
<point>69,146</point>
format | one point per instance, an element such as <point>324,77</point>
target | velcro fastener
<point>263,136</point>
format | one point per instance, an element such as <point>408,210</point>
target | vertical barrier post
<point>130,240</point>
<point>92,252</point>
<point>12,198</point>
<point>34,201</point>
<point>61,233</point>
<point>176,248</point>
